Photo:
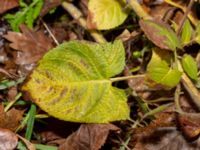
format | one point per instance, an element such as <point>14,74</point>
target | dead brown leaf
<point>31,45</point>
<point>88,137</point>
<point>166,138</point>
<point>48,5</point>
<point>11,119</point>
<point>8,4</point>
<point>8,139</point>
<point>189,125</point>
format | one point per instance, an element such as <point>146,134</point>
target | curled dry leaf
<point>8,139</point>
<point>88,137</point>
<point>10,119</point>
<point>31,45</point>
<point>8,4</point>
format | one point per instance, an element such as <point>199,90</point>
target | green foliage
<point>190,67</point>
<point>186,34</point>
<point>159,71</point>
<point>160,34</point>
<point>27,14</point>
<point>106,14</point>
<point>72,82</point>
<point>197,33</point>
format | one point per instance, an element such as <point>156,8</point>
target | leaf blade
<point>105,14</point>
<point>74,85</point>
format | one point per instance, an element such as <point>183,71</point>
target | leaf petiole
<point>126,77</point>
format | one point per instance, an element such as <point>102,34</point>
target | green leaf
<point>160,34</point>
<point>27,14</point>
<point>106,14</point>
<point>190,67</point>
<point>159,71</point>
<point>186,33</point>
<point>197,33</point>
<point>72,82</point>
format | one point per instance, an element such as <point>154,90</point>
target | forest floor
<point>147,51</point>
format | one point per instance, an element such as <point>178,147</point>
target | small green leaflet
<point>27,14</point>
<point>186,33</point>
<point>190,66</point>
<point>106,14</point>
<point>159,71</point>
<point>160,34</point>
<point>72,82</point>
<point>197,33</point>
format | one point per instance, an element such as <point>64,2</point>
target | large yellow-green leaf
<point>186,33</point>
<point>72,82</point>
<point>197,32</point>
<point>159,71</point>
<point>106,14</point>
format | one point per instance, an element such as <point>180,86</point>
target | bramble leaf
<point>186,33</point>
<point>72,82</point>
<point>160,34</point>
<point>159,71</point>
<point>106,14</point>
<point>190,67</point>
<point>27,14</point>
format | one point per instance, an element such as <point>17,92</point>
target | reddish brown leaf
<point>11,119</point>
<point>88,137</point>
<point>31,45</point>
<point>8,4</point>
<point>165,40</point>
<point>8,139</point>
<point>48,5</point>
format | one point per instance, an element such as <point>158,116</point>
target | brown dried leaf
<point>8,139</point>
<point>189,125</point>
<point>48,5</point>
<point>31,45</point>
<point>166,138</point>
<point>8,4</point>
<point>88,137</point>
<point>11,119</point>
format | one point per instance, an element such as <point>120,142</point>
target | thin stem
<point>192,19</point>
<point>138,9</point>
<point>185,16</point>
<point>49,31</point>
<point>12,102</point>
<point>77,14</point>
<point>176,98</point>
<point>191,89</point>
<point>126,78</point>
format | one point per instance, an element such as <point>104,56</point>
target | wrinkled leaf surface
<point>72,82</point>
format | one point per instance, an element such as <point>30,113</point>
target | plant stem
<point>192,19</point>
<point>185,16</point>
<point>191,89</point>
<point>126,78</point>
<point>77,14</point>
<point>138,9</point>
